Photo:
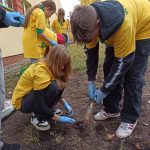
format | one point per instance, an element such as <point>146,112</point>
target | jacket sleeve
<point>92,62</point>
<point>119,68</point>
<point>2,15</point>
<point>40,104</point>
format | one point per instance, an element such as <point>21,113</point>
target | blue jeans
<point>132,83</point>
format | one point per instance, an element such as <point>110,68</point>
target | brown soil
<point>81,136</point>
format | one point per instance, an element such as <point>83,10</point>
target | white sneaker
<point>103,115</point>
<point>41,125</point>
<point>58,112</point>
<point>125,129</point>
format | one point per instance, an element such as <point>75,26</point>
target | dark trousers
<point>52,96</point>
<point>132,83</point>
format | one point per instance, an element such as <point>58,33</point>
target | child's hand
<point>52,43</point>
<point>91,89</point>
<point>13,19</point>
<point>68,108</point>
<point>99,96</point>
<point>65,119</point>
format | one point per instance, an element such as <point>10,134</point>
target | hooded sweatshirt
<point>122,22</point>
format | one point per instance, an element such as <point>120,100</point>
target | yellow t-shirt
<point>136,26</point>
<point>31,41</point>
<point>36,77</point>
<point>93,43</point>
<point>58,28</point>
<point>87,2</point>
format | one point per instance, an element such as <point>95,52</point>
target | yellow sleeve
<point>42,78</point>
<point>93,43</point>
<point>124,42</point>
<point>50,34</point>
<point>40,20</point>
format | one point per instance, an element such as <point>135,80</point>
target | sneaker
<point>41,125</point>
<point>125,129</point>
<point>58,112</point>
<point>11,147</point>
<point>103,115</point>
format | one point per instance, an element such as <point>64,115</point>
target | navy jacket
<point>2,15</point>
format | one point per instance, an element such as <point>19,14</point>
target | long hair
<point>58,61</point>
<point>47,3</point>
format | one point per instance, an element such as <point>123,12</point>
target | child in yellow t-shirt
<point>60,25</point>
<point>35,23</point>
<point>40,88</point>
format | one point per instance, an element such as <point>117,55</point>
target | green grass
<point>79,57</point>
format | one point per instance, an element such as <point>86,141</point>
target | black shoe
<point>11,147</point>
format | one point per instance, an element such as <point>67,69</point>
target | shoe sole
<point>41,128</point>
<point>117,115</point>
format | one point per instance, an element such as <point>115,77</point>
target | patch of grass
<point>79,57</point>
<point>30,135</point>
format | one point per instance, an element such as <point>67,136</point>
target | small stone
<point>137,146</point>
<point>9,92</point>
<point>148,102</point>
<point>145,124</point>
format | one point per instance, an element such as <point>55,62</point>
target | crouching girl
<point>40,88</point>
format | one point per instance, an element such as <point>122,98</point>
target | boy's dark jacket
<point>111,16</point>
<point>109,22</point>
<point>2,15</point>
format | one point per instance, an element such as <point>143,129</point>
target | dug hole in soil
<point>93,136</point>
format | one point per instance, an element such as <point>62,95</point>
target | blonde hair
<point>47,3</point>
<point>58,61</point>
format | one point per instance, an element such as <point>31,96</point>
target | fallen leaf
<point>137,146</point>
<point>110,137</point>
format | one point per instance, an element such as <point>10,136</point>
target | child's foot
<point>125,129</point>
<point>41,125</point>
<point>103,115</point>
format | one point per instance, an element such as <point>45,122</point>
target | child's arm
<point>43,36</point>
<point>63,119</point>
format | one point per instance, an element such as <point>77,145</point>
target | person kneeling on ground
<point>40,88</point>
